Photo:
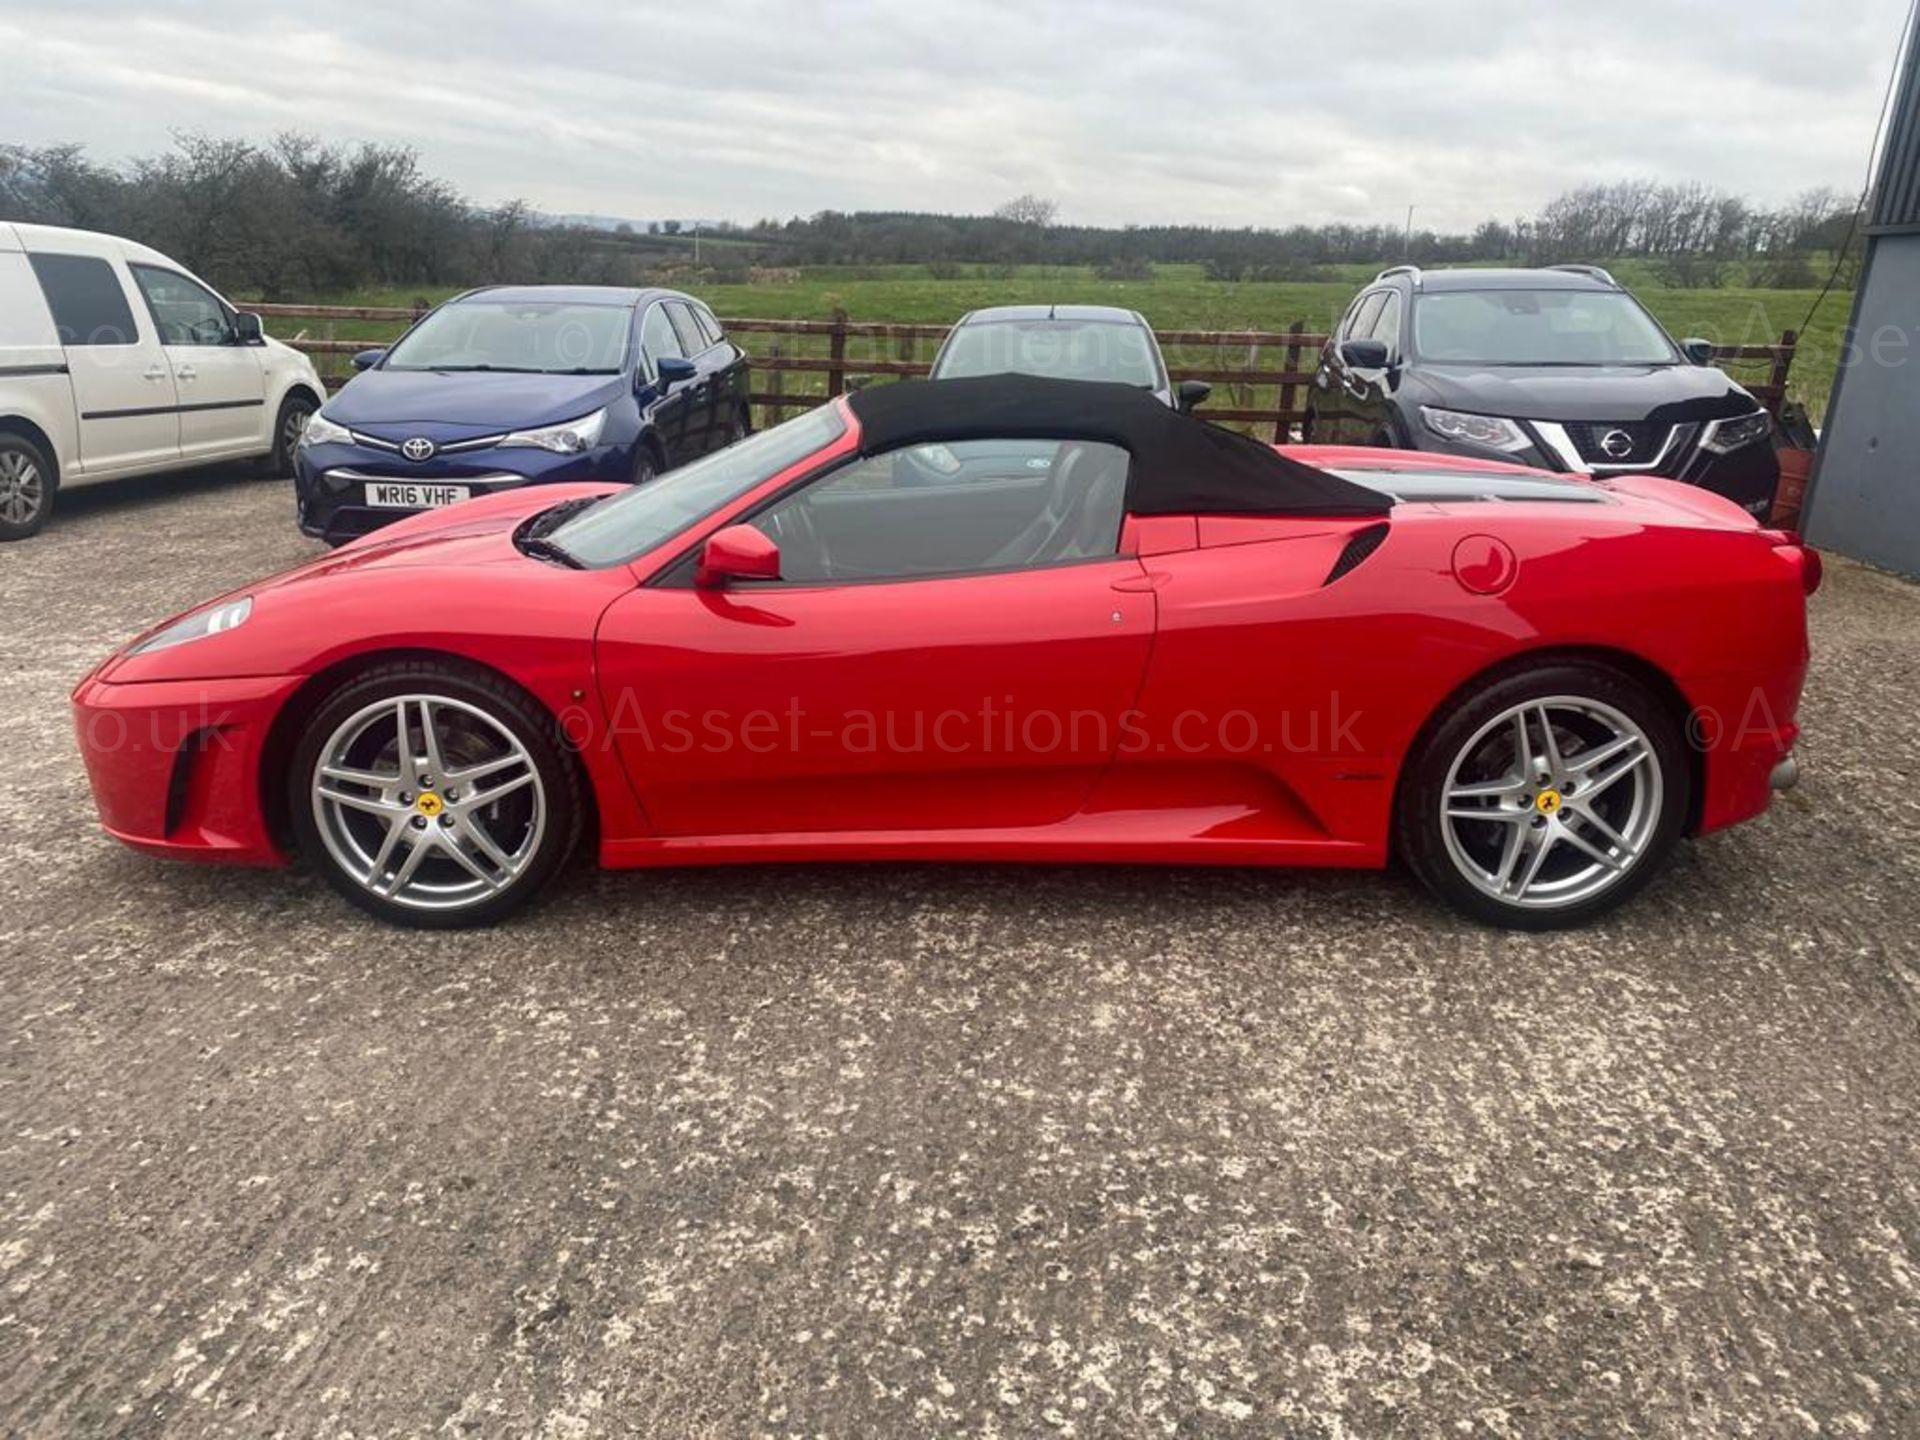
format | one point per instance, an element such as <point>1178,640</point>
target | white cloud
<point>1122,110</point>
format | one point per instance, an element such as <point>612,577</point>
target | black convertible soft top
<point>1181,465</point>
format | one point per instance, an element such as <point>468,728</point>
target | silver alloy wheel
<point>22,490</point>
<point>293,427</point>
<point>1551,802</point>
<point>428,802</point>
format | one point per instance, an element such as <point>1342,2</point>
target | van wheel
<point>27,485</point>
<point>291,424</point>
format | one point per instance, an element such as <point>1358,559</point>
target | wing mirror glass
<point>1191,394</point>
<point>1364,354</point>
<point>247,328</point>
<point>367,359</point>
<point>673,369</point>
<point>738,552</point>
<point>1699,351</point>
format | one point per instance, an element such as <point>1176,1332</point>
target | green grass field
<point>1178,297</point>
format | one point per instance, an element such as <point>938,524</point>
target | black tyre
<point>434,794</point>
<point>646,464</point>
<point>28,483</point>
<point>288,426</point>
<point>741,427</point>
<point>1545,797</point>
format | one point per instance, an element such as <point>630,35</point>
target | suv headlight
<point>1490,432</point>
<point>197,626</point>
<point>567,438</point>
<point>1724,435</point>
<point>322,431</point>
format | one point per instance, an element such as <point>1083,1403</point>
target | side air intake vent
<point>1359,547</point>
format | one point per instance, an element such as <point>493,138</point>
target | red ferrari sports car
<point>1118,633</point>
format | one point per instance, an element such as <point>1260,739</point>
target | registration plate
<point>413,495</point>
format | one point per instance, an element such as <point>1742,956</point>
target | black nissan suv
<point>1559,368</point>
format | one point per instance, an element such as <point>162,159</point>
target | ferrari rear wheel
<point>1546,798</point>
<point>434,795</point>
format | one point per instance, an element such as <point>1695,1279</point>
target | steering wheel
<point>793,529</point>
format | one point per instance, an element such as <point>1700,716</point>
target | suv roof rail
<point>1594,270</point>
<point>1412,270</point>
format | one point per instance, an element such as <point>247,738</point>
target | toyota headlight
<point>322,431</point>
<point>1490,432</point>
<point>1725,435</point>
<point>201,623</point>
<point>569,437</point>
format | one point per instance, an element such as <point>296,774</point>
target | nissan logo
<point>1617,443</point>
<point>420,448</point>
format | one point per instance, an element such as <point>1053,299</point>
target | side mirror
<point>738,552</point>
<point>1364,354</point>
<point>673,369</point>
<point>1699,351</point>
<point>367,359</point>
<point>1190,395</point>
<point>247,329</point>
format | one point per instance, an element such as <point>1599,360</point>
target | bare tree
<point>1028,210</point>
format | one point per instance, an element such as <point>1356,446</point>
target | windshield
<point>1062,349</point>
<point>625,526</point>
<point>530,338</point>
<point>1537,327</point>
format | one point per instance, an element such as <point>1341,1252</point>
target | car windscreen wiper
<point>473,369</point>
<point>539,547</point>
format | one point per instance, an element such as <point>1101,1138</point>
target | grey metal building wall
<point>1865,496</point>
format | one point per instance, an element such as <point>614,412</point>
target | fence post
<point>1782,363</point>
<point>1283,422</point>
<point>776,386</point>
<point>837,355</point>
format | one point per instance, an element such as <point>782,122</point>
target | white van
<point>114,361</point>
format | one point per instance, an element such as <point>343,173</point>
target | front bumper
<point>175,765</point>
<point>331,483</point>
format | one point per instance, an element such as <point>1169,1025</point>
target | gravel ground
<point>947,1151</point>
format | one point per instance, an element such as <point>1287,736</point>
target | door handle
<point>186,372</point>
<point>155,373</point>
<point>1138,584</point>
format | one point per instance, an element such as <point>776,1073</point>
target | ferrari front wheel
<point>434,795</point>
<point>1546,797</point>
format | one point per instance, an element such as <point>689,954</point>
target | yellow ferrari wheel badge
<point>1546,802</point>
<point>429,804</point>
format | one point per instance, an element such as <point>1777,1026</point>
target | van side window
<point>186,312</point>
<point>88,305</point>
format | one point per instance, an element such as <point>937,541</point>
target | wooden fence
<point>803,362</point>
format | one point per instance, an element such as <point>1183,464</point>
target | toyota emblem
<point>420,448</point>
<point>1617,443</point>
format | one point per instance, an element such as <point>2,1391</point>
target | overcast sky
<point>1207,111</point>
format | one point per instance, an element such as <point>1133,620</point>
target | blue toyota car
<point>520,385</point>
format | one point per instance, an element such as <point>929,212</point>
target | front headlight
<point>567,438</point>
<point>1490,432</point>
<point>197,626</point>
<point>322,431</point>
<point>1724,435</point>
